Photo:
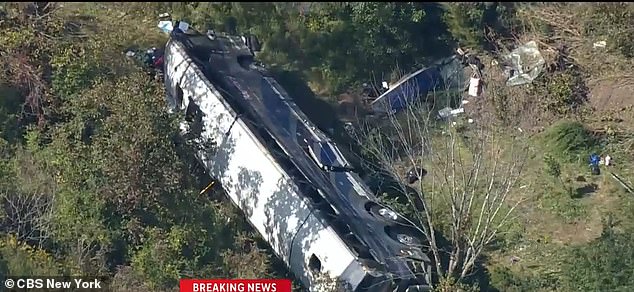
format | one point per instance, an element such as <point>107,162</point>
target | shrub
<point>561,92</point>
<point>612,21</point>
<point>468,22</point>
<point>503,279</point>
<point>568,141</point>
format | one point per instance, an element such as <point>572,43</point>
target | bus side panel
<point>249,175</point>
<point>328,252</point>
<point>174,71</point>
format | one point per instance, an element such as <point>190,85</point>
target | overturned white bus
<point>289,179</point>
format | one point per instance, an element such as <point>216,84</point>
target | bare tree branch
<point>472,171</point>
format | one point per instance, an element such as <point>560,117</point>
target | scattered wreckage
<point>151,60</point>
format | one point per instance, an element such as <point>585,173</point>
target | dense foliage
<point>337,44</point>
<point>569,141</point>
<point>101,187</point>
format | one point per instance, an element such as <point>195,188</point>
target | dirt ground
<point>613,100</point>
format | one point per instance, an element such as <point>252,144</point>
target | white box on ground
<point>165,26</point>
<point>474,86</point>
<point>184,26</point>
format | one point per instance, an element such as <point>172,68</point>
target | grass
<point>568,141</point>
<point>568,209</point>
<point>550,210</point>
<point>105,19</point>
<point>550,220</point>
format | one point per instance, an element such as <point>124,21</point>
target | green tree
<point>469,23</point>
<point>20,259</point>
<point>336,44</point>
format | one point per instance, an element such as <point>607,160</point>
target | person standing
<point>594,164</point>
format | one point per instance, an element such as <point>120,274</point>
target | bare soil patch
<point>613,100</point>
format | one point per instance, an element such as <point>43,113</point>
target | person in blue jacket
<point>594,164</point>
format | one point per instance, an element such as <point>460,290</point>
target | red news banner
<point>221,285</point>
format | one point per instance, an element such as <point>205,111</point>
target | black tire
<point>375,210</point>
<point>245,61</point>
<point>404,235</point>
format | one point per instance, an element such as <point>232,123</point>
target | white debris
<point>457,111</point>
<point>183,26</point>
<point>165,26</point>
<point>607,160</point>
<point>600,44</point>
<point>525,62</point>
<point>474,86</point>
<point>464,101</point>
<point>514,259</point>
<point>385,85</point>
<point>470,121</point>
<point>446,112</point>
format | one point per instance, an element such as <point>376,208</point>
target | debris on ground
<point>599,44</point>
<point>447,112</point>
<point>524,64</point>
<point>514,259</point>
<point>150,59</point>
<point>165,26</point>
<point>474,87</point>
<point>627,187</point>
<point>444,113</point>
<point>472,61</point>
